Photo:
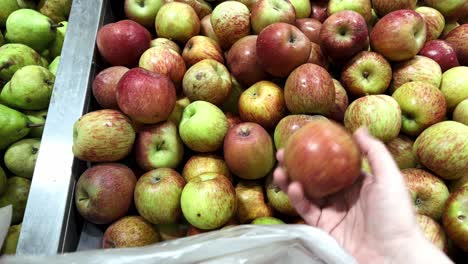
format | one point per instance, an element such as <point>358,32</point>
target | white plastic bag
<point>238,244</point>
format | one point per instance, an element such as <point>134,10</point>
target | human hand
<point>373,219</point>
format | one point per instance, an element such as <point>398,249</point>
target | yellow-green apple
<point>460,113</point>
<point>230,21</point>
<point>157,196</point>
<point>207,80</point>
<point>103,136</point>
<point>319,10</point>
<point>104,192</point>
<point>203,163</point>
<point>201,47</point>
<point>458,39</point>
<point>309,89</point>
<point>281,47</point>
<point>232,102</point>
<point>333,158</point>
<point>278,199</point>
<point>158,146</point>
<point>383,7</point>
<point>203,126</point>
<point>16,195</point>
<point>435,22</point>
<point>401,149</point>
<point>288,126</point>
<point>165,43</point>
<point>381,114</point>
<point>449,26</point>
<point>452,10</point>
<point>432,231</point>
<point>187,26</point>
<point>105,86</point>
<point>251,202</point>
<point>179,107</point>
<point>205,194</point>
<point>201,7</point>
<point>443,148</point>
<point>206,29</point>
<point>143,11</point>
<point>267,220</point>
<point>130,231</point>
<point>249,151</point>
<point>363,7</point>
<point>419,68</point>
<point>303,8</point>
<point>233,119</point>
<point>164,61</point>
<point>135,95</point>
<point>427,191</point>
<point>241,60</point>
<point>407,30</point>
<point>442,53</point>
<point>317,56</point>
<point>20,157</point>
<point>343,35</point>
<point>310,27</point>
<point>455,220</point>
<point>455,86</point>
<point>458,183</point>
<point>367,73</point>
<point>122,43</point>
<point>422,105</point>
<point>341,102</point>
<point>267,12</point>
<point>262,103</point>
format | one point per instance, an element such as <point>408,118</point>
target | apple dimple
<point>244,132</point>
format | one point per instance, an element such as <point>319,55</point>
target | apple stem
<point>56,25</point>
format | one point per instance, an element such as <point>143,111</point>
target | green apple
<point>187,26</point>
<point>303,8</point>
<point>363,7</point>
<point>176,115</point>
<point>16,194</point>
<point>165,43</point>
<point>11,240</point>
<point>401,149</point>
<point>455,86</point>
<point>460,114</point>
<point>267,12</point>
<point>203,126</point>
<point>278,199</point>
<point>419,68</point>
<point>267,221</point>
<point>143,11</point>
<point>455,218</point>
<point>20,158</point>
<point>3,181</point>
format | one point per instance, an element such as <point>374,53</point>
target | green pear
<point>57,43</point>
<point>3,181</point>
<point>14,126</point>
<point>36,132</point>
<point>20,158</point>
<point>29,27</point>
<point>29,89</point>
<point>57,10</point>
<point>14,56</point>
<point>16,194</point>
<point>6,8</point>
<point>53,67</point>
<point>11,240</point>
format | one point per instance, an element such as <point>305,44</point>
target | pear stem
<point>56,25</point>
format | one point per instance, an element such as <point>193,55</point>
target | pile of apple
<point>198,96</point>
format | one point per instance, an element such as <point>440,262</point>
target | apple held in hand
<point>130,231</point>
<point>433,231</point>
<point>442,53</point>
<point>203,163</point>
<point>187,25</point>
<point>455,220</point>
<point>363,7</point>
<point>341,103</point>
<point>401,149</point>
<point>143,11</point>
<point>460,114</point>
<point>435,22</point>
<point>105,86</point>
<point>454,86</point>
<point>199,48</point>
<point>383,7</point>
<point>289,125</point>
<point>323,157</point>
<point>164,61</point>
<point>458,39</point>
<point>267,12</point>
<point>230,21</point>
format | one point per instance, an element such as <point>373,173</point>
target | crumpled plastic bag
<point>238,244</point>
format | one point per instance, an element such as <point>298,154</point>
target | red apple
<point>199,48</point>
<point>458,39</point>
<point>341,102</point>
<point>383,7</point>
<point>288,126</point>
<point>105,86</point>
<point>323,157</point>
<point>441,52</point>
<point>145,96</point>
<point>319,10</point>
<point>310,27</point>
<point>123,42</point>
<point>317,56</point>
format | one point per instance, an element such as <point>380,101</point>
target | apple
<point>203,163</point>
<point>428,192</point>
<point>230,21</point>
<point>242,62</point>
<point>456,184</point>
<point>302,8</point>
<point>367,73</point>
<point>401,149</point>
<point>460,114</point>
<point>406,29</point>
<point>130,231</point>
<point>310,27</point>
<point>249,151</point>
<point>159,146</point>
<point>203,127</point>
<point>419,68</point>
<point>176,115</point>
<point>157,196</point>
<point>278,199</point>
<point>143,11</point>
<point>201,7</point>
<point>455,86</point>
<point>206,29</point>
<point>122,43</point>
<point>102,136</point>
<point>435,22</point>
<point>205,194</point>
<point>104,192</point>
<point>309,89</point>
<point>165,43</point>
<point>443,149</point>
<point>381,114</point>
<point>267,12</point>
<point>232,102</point>
<point>233,119</point>
<point>251,202</point>
<point>105,86</point>
<point>319,10</point>
<point>288,126</point>
<point>343,35</point>
<point>267,221</point>
<point>442,53</point>
<point>363,7</point>
<point>458,39</point>
<point>333,158</point>
<point>341,102</point>
<point>262,103</point>
<point>164,61</point>
<point>281,47</point>
<point>317,56</point>
<point>449,26</point>
<point>187,26</point>
<point>171,231</point>
<point>432,231</point>
<point>199,48</point>
<point>207,80</point>
<point>452,9</point>
<point>422,105</point>
<point>135,95</point>
<point>383,7</point>
<point>454,219</point>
